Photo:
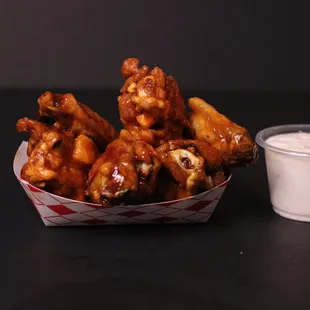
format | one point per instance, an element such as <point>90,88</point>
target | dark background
<point>209,45</point>
<point>247,58</point>
<point>245,258</point>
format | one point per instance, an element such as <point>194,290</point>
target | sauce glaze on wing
<point>127,169</point>
<point>73,116</point>
<point>58,162</point>
<point>232,140</point>
<point>151,106</point>
<point>192,165</point>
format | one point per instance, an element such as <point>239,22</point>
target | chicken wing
<point>168,188</point>
<point>151,106</point>
<point>73,116</point>
<point>127,169</point>
<point>231,139</point>
<point>58,162</point>
<point>192,165</point>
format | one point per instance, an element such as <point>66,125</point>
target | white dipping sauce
<point>288,175</point>
<point>297,141</point>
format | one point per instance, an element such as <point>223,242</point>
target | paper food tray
<point>58,211</point>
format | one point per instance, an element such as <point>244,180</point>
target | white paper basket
<point>58,211</point>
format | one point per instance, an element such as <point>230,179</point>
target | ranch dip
<point>296,142</point>
<point>288,174</point>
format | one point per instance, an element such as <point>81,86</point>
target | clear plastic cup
<point>288,174</point>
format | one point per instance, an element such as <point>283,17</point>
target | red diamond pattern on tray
<point>164,219</point>
<point>181,214</point>
<point>78,207</point>
<point>199,205</point>
<point>149,209</point>
<point>112,218</point>
<point>210,207</point>
<point>45,211</point>
<point>95,213</point>
<point>94,221</point>
<point>185,212</point>
<point>78,217</point>
<point>183,204</point>
<point>59,220</point>
<point>45,198</point>
<point>132,213</point>
<point>116,210</point>
<point>68,213</point>
<point>147,217</point>
<point>166,211</point>
<point>61,209</point>
<point>47,222</point>
<point>34,199</point>
<point>30,194</point>
<point>34,189</point>
<point>165,204</point>
<point>215,194</point>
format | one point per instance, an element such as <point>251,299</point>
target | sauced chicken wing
<point>57,161</point>
<point>192,164</point>
<point>231,139</point>
<point>168,188</point>
<point>151,106</point>
<point>73,116</point>
<point>127,169</point>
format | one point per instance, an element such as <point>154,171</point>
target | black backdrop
<point>210,45</point>
<point>246,257</point>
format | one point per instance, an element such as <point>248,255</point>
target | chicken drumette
<point>191,167</point>
<point>232,140</point>
<point>58,162</point>
<point>127,169</point>
<point>151,106</point>
<point>73,116</point>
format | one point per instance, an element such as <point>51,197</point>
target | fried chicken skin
<point>151,106</point>
<point>127,169</point>
<point>73,116</point>
<point>192,165</point>
<point>231,139</point>
<point>58,162</point>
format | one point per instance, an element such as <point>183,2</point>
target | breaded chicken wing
<point>151,106</point>
<point>58,162</point>
<point>127,169</point>
<point>192,164</point>
<point>73,116</point>
<point>231,139</point>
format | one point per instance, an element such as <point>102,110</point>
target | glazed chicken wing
<point>73,116</point>
<point>192,165</point>
<point>231,139</point>
<point>127,169</point>
<point>168,188</point>
<point>58,162</point>
<point>151,106</point>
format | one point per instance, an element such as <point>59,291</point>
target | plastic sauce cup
<point>288,173</point>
